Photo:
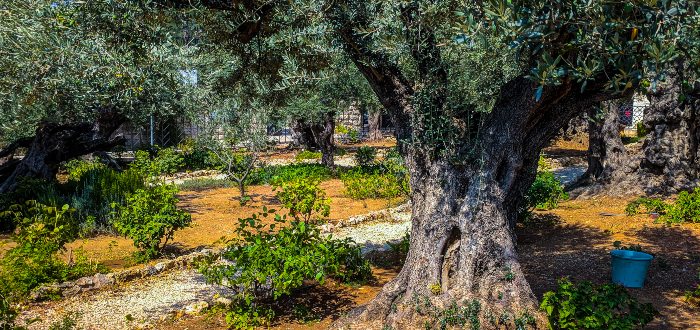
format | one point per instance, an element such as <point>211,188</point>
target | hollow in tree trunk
<point>55,143</point>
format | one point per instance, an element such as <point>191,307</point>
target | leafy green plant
<point>248,316</point>
<point>373,182</point>
<point>641,130</point>
<point>693,296</point>
<point>41,232</point>
<point>353,135</point>
<point>196,156</point>
<point>365,156</point>
<point>286,173</point>
<point>150,218</point>
<point>68,322</point>
<point>583,305</point>
<point>546,191</point>
<point>100,188</point>
<point>304,199</point>
<point>76,168</point>
<point>650,205</point>
<point>686,208</point>
<point>453,316</point>
<point>307,155</point>
<point>272,259</point>
<point>636,247</point>
<point>164,161</point>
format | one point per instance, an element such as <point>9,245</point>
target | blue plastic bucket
<point>629,268</point>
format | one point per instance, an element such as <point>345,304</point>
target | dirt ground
<point>574,240</point>
<point>215,214</point>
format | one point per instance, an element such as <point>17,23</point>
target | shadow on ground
<point>550,249</point>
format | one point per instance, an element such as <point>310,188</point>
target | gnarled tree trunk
<point>607,155</point>
<point>671,156</point>
<point>318,136</point>
<point>56,143</point>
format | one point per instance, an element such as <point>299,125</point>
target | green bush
<point>76,168</point>
<point>586,306</point>
<point>99,189</point>
<point>373,182</point>
<point>286,173</point>
<point>196,156</point>
<point>304,199</point>
<point>42,231</point>
<point>686,208</point>
<point>545,193</point>
<point>308,155</point>
<point>165,161</point>
<point>641,130</point>
<point>150,218</point>
<point>365,156</point>
<point>273,259</point>
<point>353,135</point>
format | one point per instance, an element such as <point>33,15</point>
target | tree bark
<point>671,157</point>
<point>318,136</point>
<point>56,143</point>
<point>607,155</point>
<point>375,120</point>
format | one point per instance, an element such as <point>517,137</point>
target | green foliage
<point>286,173</point>
<point>686,208</point>
<point>401,247</point>
<point>353,135</point>
<point>150,218</point>
<point>165,161</point>
<point>586,306</point>
<point>304,199</point>
<point>7,314</point>
<point>374,182</point>
<point>276,258</point>
<point>365,156</point>
<point>76,168</point>
<point>42,231</point>
<point>196,156</point>
<point>641,130</point>
<point>248,316</point>
<point>99,189</point>
<point>546,191</point>
<point>693,296</point>
<point>307,155</point>
<point>618,245</point>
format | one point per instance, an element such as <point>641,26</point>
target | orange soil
<point>215,214</point>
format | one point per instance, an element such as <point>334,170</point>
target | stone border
<point>102,281</point>
<point>385,215</point>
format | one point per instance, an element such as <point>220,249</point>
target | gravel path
<point>569,174</point>
<point>137,305</point>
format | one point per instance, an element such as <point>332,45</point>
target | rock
<point>196,308</point>
<point>223,301</point>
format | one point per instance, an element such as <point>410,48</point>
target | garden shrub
<point>76,168</point>
<point>583,305</point>
<point>373,182</point>
<point>365,156</point>
<point>353,135</point>
<point>165,161</point>
<point>651,205</point>
<point>308,155</point>
<point>269,259</point>
<point>150,218</point>
<point>99,189</point>
<point>304,199</point>
<point>545,193</point>
<point>686,208</point>
<point>196,156</point>
<point>42,231</point>
<point>286,173</point>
